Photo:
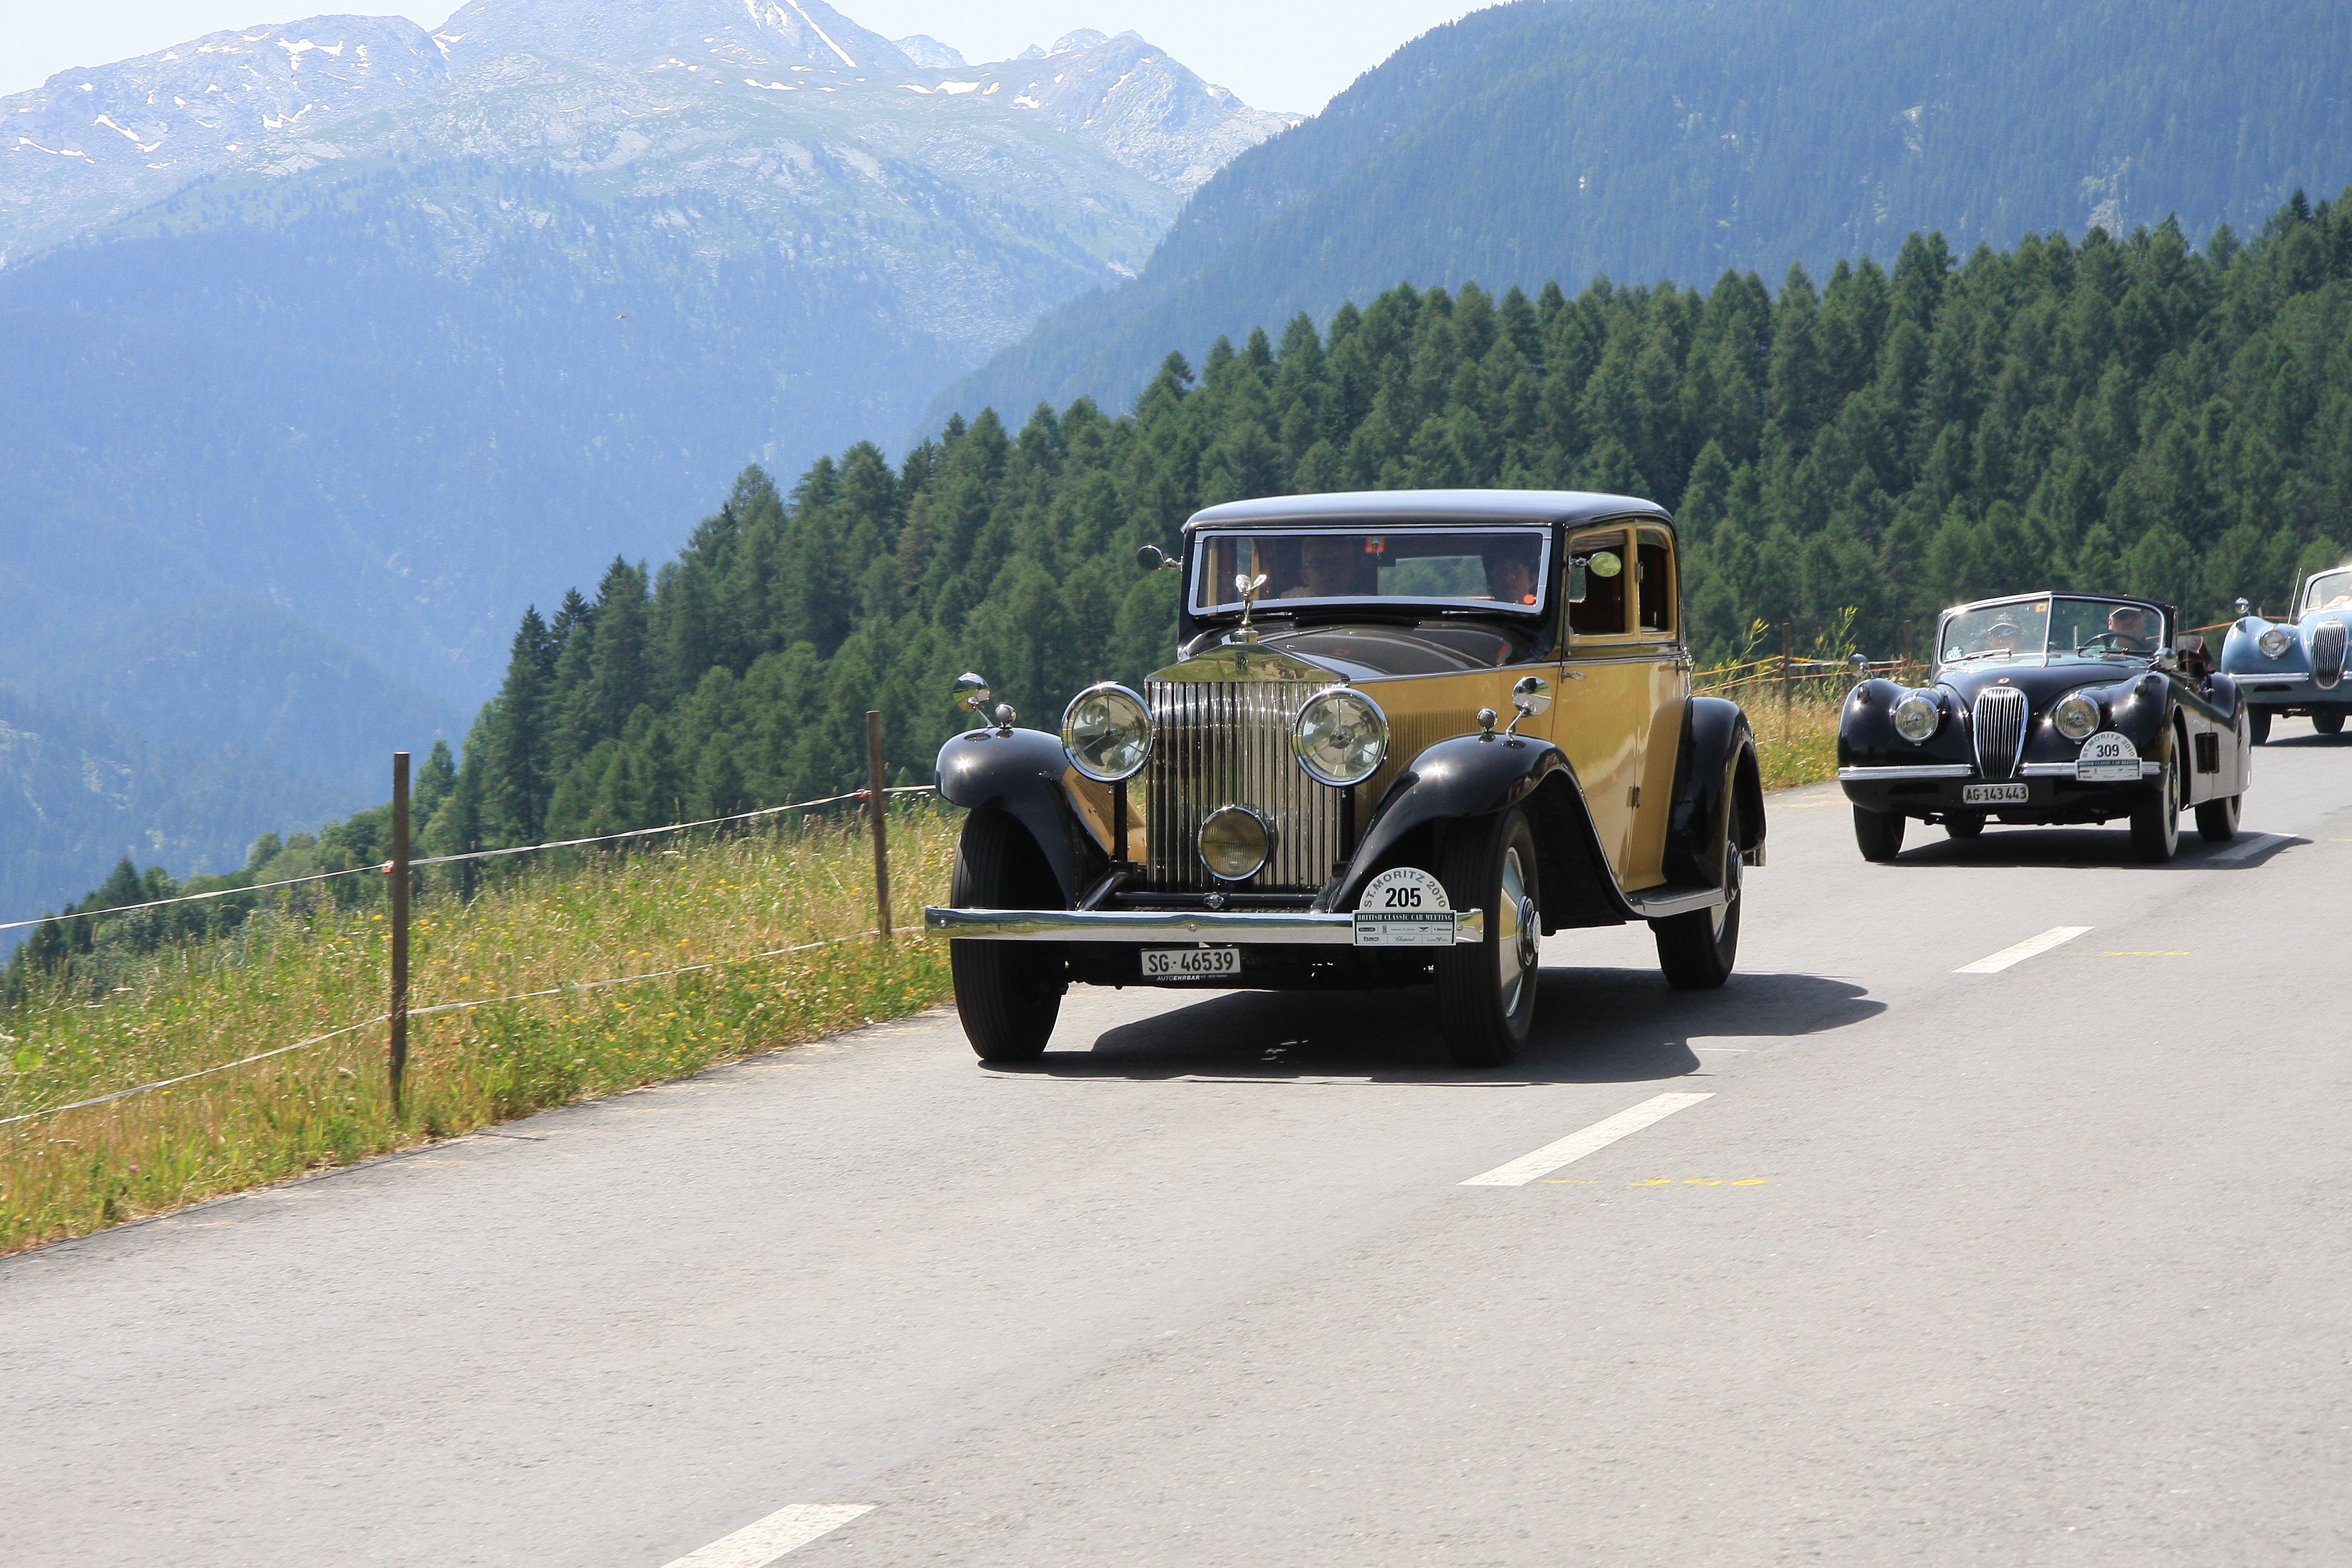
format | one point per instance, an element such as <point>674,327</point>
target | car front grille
<point>2327,654</point>
<point>1227,743</point>
<point>1998,721</point>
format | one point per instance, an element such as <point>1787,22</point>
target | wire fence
<point>437,1009</point>
<point>875,797</point>
<point>385,868</point>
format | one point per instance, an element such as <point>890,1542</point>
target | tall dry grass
<point>292,975</point>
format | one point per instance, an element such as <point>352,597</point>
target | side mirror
<point>1531,694</point>
<point>1154,559</point>
<point>972,692</point>
<point>2242,608</point>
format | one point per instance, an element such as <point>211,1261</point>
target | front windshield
<point>2329,591</point>
<point>1487,569</point>
<point>2053,628</point>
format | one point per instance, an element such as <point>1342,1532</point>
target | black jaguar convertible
<point>2049,708</point>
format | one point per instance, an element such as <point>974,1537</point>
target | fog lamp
<point>1234,842</point>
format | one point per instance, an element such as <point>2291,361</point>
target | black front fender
<point>1477,775</point>
<point>1021,771</point>
<point>1716,766</point>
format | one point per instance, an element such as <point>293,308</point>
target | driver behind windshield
<point>1335,567</point>
<point>2128,630</point>
<point>1511,572</point>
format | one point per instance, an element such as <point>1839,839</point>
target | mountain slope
<point>75,796</point>
<point>1638,138</point>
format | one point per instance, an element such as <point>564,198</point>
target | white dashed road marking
<point>1577,1145</point>
<point>2057,936</point>
<point>2246,847</point>
<point>762,1542</point>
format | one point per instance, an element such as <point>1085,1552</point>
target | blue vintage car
<point>2297,666</point>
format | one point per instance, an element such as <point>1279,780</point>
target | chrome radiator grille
<point>1227,743</point>
<point>1998,721</point>
<point>2327,654</point>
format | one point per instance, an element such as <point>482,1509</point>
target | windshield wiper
<point>1981,652</point>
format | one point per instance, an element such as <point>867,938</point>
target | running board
<point>1660,903</point>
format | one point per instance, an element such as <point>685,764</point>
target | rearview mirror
<point>1154,559</point>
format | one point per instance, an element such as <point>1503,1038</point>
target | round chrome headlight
<point>2075,715</point>
<point>1234,843</point>
<point>2276,642</point>
<point>1917,715</point>
<point>1108,732</point>
<point>1341,736</point>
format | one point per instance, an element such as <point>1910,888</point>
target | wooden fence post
<point>1788,688</point>
<point>398,867</point>
<point>880,808</point>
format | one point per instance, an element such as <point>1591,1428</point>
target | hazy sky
<point>1278,54</point>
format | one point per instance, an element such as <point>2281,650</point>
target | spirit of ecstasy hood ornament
<point>1249,588</point>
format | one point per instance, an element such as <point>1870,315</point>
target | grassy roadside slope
<point>292,976</point>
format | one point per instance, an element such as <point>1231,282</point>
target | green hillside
<point>1641,139</point>
<point>2130,414</point>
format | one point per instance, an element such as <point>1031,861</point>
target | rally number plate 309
<point>1191,963</point>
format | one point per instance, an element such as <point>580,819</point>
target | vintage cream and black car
<point>1406,734</point>
<point>2049,708</point>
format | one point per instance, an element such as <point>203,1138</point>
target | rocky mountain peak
<point>90,143</point>
<point>1151,112</point>
<point>753,34</point>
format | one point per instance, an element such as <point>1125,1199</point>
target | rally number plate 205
<point>1405,907</point>
<point>1191,963</point>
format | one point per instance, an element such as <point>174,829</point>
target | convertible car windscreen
<point>1491,569</point>
<point>2329,591</point>
<point>2054,628</point>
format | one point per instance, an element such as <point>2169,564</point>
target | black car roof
<point>1531,509</point>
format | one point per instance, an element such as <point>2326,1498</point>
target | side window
<point>1655,567</point>
<point>1598,577</point>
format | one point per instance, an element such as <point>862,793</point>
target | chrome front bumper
<point>1250,927</point>
<point>1913,773</point>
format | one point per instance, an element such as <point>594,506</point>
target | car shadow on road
<point>1592,1026</point>
<point>2085,847</point>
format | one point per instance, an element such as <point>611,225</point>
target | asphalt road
<point>2047,1264</point>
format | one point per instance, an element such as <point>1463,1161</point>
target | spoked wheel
<point>1696,951</point>
<point>2216,820</point>
<point>2328,720</point>
<point>1008,994</point>
<point>1878,833</point>
<point>2258,725</point>
<point>1965,824</point>
<point>1487,990</point>
<point>2155,827</point>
